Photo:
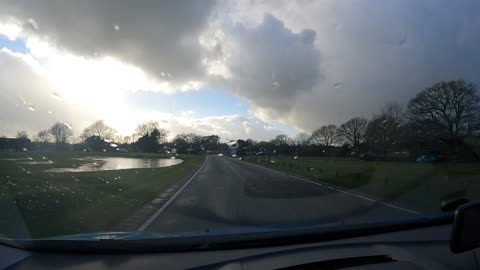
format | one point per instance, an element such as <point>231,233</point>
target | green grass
<point>414,185</point>
<point>81,202</point>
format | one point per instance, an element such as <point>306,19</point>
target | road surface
<point>228,192</point>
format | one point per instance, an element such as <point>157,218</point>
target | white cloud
<point>31,100</point>
<point>305,63</point>
<point>26,99</point>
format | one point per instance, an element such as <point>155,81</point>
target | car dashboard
<point>422,248</point>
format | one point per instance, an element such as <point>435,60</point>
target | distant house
<point>14,144</point>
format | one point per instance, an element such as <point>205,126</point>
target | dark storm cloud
<point>159,36</point>
<point>374,52</point>
<point>308,63</point>
<point>270,64</point>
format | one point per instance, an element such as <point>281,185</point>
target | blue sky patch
<point>17,45</point>
<point>204,102</point>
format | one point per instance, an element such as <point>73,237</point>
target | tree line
<point>441,119</point>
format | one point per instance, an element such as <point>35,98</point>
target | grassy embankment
<point>80,202</point>
<point>414,185</point>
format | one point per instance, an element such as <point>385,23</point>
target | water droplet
<point>84,150</point>
<point>68,125</point>
<point>113,145</point>
<point>24,149</point>
<point>33,24</point>
<point>163,74</point>
<point>403,42</point>
<point>116,27</point>
<point>29,158</point>
<point>384,121</point>
<point>104,150</point>
<point>55,95</point>
<point>337,85</point>
<point>32,108</point>
<point>120,189</point>
<point>49,112</point>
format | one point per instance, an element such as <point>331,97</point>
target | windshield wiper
<point>221,239</point>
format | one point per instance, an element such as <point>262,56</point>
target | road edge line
<point>167,203</point>
<point>336,189</point>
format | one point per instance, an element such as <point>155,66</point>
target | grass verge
<point>414,185</point>
<point>43,204</point>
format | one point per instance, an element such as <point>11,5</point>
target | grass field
<point>80,202</point>
<point>414,185</point>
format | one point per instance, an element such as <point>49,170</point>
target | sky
<point>238,69</point>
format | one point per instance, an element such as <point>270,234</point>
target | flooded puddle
<point>118,163</point>
<point>37,162</point>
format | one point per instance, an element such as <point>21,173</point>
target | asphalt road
<point>228,192</point>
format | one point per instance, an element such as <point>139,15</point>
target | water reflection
<point>118,163</point>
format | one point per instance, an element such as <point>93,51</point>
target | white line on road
<point>339,190</point>
<point>357,195</point>
<point>164,206</point>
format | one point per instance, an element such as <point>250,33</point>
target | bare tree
<point>447,110</point>
<point>43,136</point>
<point>302,138</point>
<point>325,135</point>
<point>22,135</point>
<point>99,129</point>
<point>144,128</point>
<point>383,131</point>
<point>61,132</point>
<point>353,131</point>
<point>281,139</point>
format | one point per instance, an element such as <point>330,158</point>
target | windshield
<point>225,116</point>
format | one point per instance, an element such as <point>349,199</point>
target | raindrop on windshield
<point>31,108</point>
<point>402,42</point>
<point>49,112</point>
<point>68,125</point>
<point>55,95</point>
<point>113,145</point>
<point>337,85</point>
<point>24,149</point>
<point>33,24</point>
<point>116,27</point>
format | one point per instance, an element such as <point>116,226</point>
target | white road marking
<point>164,206</point>
<point>339,190</point>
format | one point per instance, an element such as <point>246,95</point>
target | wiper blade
<point>221,239</point>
